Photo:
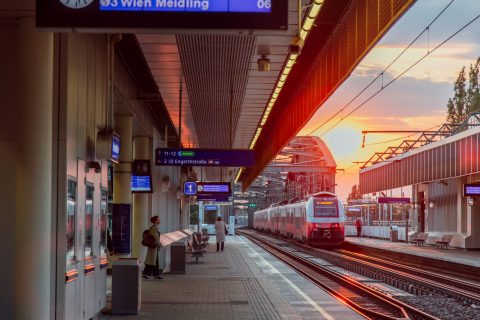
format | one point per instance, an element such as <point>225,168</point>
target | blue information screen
<point>141,184</point>
<point>472,190</point>
<point>222,6</point>
<point>115,148</point>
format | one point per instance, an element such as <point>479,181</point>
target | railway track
<point>464,290</point>
<point>369,302</point>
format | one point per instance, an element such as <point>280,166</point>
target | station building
<point>438,173</point>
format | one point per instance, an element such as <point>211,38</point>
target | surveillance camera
<point>263,64</point>
<point>296,46</point>
<point>294,49</point>
<point>95,165</point>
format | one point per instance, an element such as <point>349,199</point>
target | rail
<point>385,307</point>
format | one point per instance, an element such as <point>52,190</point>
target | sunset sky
<point>417,101</point>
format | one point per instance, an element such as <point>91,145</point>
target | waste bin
<point>178,260</point>
<point>126,286</point>
<point>394,233</point>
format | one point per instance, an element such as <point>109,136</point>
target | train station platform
<point>243,282</point>
<point>454,259</point>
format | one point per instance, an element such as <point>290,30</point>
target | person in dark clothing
<point>358,224</point>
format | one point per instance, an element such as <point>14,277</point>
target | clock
<point>76,4</point>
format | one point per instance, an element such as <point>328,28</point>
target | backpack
<point>148,240</point>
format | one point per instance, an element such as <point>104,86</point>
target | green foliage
<point>465,100</point>
<point>194,214</point>
<point>355,193</point>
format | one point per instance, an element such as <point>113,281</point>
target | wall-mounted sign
<point>214,188</point>
<point>121,223</point>
<point>393,200</point>
<point>190,188</point>
<point>133,15</point>
<point>108,146</point>
<point>471,190</point>
<point>213,197</point>
<point>141,178</point>
<point>204,157</point>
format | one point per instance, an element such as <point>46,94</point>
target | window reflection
<point>70,220</point>
<point>103,223</point>
<point>88,220</point>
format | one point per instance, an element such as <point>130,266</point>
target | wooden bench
<point>420,239</point>
<point>444,242</point>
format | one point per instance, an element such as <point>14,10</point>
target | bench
<point>200,241</point>
<point>420,239</point>
<point>196,252</point>
<point>444,242</point>
<point>205,236</point>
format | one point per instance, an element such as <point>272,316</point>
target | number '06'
<point>264,4</point>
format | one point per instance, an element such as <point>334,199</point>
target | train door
<point>421,211</point>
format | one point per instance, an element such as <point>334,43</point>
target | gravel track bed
<point>443,308</point>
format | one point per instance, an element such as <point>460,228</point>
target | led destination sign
<point>204,157</point>
<point>246,6</point>
<point>471,190</point>
<point>139,15</point>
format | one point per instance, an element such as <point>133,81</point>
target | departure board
<point>247,6</point>
<point>143,15</point>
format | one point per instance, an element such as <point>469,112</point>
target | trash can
<point>178,260</point>
<point>126,286</point>
<point>393,233</point>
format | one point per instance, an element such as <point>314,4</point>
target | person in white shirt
<point>220,231</point>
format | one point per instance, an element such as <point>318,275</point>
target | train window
<point>325,208</point>
<point>70,222</point>
<point>88,220</point>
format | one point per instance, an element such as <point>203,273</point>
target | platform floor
<point>243,282</point>
<point>470,258</point>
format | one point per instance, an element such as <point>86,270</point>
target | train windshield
<point>325,208</point>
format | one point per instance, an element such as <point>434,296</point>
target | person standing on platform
<point>151,260</point>
<point>220,231</point>
<point>358,224</point>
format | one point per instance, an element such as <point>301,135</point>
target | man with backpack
<point>151,239</point>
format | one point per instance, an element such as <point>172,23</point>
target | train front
<point>325,220</point>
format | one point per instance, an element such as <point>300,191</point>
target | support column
<point>122,171</point>
<point>33,240</point>
<point>141,148</point>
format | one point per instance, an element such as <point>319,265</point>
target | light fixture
<point>239,173</point>
<point>294,51</point>
<point>263,64</point>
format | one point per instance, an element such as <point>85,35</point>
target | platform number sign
<point>190,188</point>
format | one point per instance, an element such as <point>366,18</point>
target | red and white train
<point>318,221</point>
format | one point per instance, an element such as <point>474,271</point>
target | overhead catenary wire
<point>401,138</point>
<point>399,76</point>
<point>380,75</point>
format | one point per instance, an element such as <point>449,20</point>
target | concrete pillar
<point>141,151</point>
<point>122,170</point>
<point>33,217</point>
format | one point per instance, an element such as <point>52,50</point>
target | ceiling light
<point>263,64</point>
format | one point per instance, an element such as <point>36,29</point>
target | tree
<point>460,96</point>
<point>354,194</point>
<point>473,92</point>
<point>465,100</point>
<point>194,214</point>
<point>451,114</point>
